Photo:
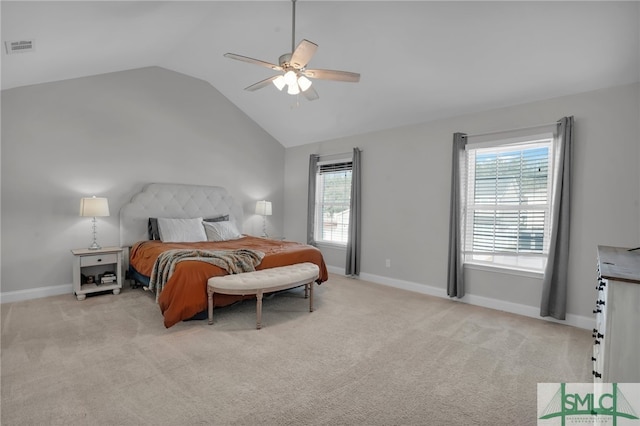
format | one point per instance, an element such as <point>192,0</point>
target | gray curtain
<point>455,277</point>
<point>554,283</point>
<point>353,243</point>
<point>311,201</point>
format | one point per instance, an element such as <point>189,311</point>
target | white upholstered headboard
<point>174,201</point>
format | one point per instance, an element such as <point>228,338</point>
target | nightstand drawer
<point>98,259</point>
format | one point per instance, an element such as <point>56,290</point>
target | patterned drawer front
<point>597,363</point>
<point>601,305</point>
<point>598,332</point>
<point>98,259</point>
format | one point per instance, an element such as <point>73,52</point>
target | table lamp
<point>94,207</point>
<point>263,208</point>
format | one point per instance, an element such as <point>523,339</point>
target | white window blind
<point>507,211</point>
<point>333,199</point>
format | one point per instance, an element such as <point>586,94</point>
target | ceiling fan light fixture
<point>304,83</point>
<point>293,88</point>
<point>279,82</point>
<point>290,78</point>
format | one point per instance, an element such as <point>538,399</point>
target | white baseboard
<point>35,293</point>
<point>527,311</point>
<point>335,270</point>
<point>406,285</point>
<point>486,302</point>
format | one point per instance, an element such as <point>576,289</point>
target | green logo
<point>588,401</point>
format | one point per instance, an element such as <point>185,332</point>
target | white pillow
<point>181,230</point>
<point>221,231</point>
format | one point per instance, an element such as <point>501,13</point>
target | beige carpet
<point>368,355</point>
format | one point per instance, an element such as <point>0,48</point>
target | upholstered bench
<point>264,281</point>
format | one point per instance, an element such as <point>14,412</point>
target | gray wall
<point>109,135</point>
<point>406,190</point>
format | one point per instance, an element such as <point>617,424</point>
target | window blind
<point>334,167</point>
<point>333,196</point>
<point>508,193</point>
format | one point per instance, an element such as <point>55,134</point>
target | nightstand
<point>97,271</point>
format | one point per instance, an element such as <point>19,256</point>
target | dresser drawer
<point>98,259</point>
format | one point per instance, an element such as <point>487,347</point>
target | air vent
<point>21,46</point>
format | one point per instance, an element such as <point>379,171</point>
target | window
<point>506,219</point>
<point>333,197</point>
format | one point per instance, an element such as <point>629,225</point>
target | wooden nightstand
<point>91,270</point>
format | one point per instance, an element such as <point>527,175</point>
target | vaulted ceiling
<point>419,60</point>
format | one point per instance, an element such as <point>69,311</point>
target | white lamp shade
<point>304,83</point>
<point>293,89</point>
<point>290,78</point>
<point>279,82</point>
<point>263,208</point>
<point>94,207</point>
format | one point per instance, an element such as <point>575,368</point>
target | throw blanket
<point>233,261</point>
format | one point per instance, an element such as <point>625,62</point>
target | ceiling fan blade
<point>311,94</point>
<point>350,77</point>
<point>253,61</point>
<point>261,84</point>
<point>303,54</point>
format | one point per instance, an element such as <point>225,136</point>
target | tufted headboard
<point>174,201</point>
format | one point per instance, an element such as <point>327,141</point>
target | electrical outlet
<point>388,263</point>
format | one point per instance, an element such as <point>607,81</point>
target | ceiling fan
<point>294,68</point>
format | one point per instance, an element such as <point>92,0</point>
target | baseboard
<point>406,285</point>
<point>35,293</point>
<point>486,302</point>
<point>527,311</point>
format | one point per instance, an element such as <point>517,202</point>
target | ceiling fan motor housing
<point>285,61</point>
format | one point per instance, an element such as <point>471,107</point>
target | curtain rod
<point>512,130</point>
<point>341,154</point>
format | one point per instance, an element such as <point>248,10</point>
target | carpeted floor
<point>368,355</point>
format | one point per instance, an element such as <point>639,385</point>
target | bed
<point>184,296</point>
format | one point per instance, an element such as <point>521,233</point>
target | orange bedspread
<point>185,294</point>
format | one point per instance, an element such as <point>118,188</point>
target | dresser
<point>616,349</point>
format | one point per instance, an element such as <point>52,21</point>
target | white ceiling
<point>419,60</point>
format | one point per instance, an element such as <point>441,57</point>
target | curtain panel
<point>554,283</point>
<point>352,264</point>
<point>455,274</point>
<point>311,200</point>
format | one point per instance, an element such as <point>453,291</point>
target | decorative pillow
<point>181,230</point>
<point>218,219</point>
<point>154,234</point>
<point>152,227</point>
<point>221,231</point>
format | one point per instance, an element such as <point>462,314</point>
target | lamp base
<point>264,227</point>
<point>95,245</point>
